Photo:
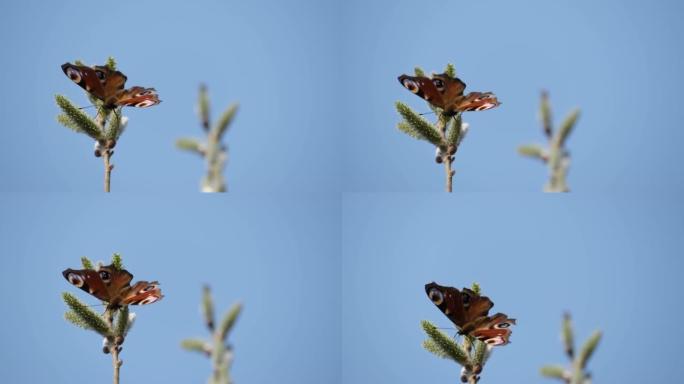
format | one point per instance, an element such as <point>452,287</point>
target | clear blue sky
<point>313,311</point>
<point>614,262</point>
<point>280,259</point>
<point>619,61</point>
<point>317,84</point>
<point>331,277</point>
<point>276,58</point>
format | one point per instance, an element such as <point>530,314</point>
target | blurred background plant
<point>471,354</point>
<point>577,372</point>
<point>445,134</point>
<point>113,325</point>
<point>105,127</point>
<point>554,155</point>
<point>214,152</point>
<point>216,348</point>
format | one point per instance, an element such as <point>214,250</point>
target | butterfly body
<point>446,92</point>
<point>470,313</point>
<point>112,285</point>
<point>108,85</point>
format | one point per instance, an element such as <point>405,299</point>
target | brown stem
<point>101,120</point>
<point>448,159</point>
<point>108,168</point>
<point>114,347</point>
<point>116,363</point>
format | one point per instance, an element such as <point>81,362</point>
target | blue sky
<point>316,81</point>
<point>335,219</point>
<point>270,56</point>
<point>619,61</point>
<point>280,260</point>
<point>613,262</point>
<point>333,292</point>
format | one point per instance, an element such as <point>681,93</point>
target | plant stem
<point>449,173</point>
<point>101,120</point>
<point>113,347</point>
<point>116,363</point>
<point>442,123</point>
<point>108,168</point>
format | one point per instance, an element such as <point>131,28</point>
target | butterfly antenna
<point>87,107</point>
<point>426,113</point>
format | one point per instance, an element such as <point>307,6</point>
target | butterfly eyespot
<point>148,300</point>
<point>465,298</point>
<point>75,280</point>
<point>502,325</point>
<point>74,74</point>
<point>150,287</point>
<point>100,75</point>
<point>105,276</point>
<point>439,84</point>
<point>411,85</point>
<point>436,296</point>
<point>146,103</point>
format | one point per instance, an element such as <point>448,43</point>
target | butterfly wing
<point>423,87</point>
<point>105,283</point>
<point>88,280</point>
<point>99,81</point>
<point>142,293</point>
<point>112,82</point>
<point>137,97</point>
<point>113,286</point>
<point>449,301</point>
<point>116,281</point>
<point>476,306</point>
<point>477,101</point>
<point>464,308</point>
<point>87,78</point>
<point>495,331</point>
<point>451,89</point>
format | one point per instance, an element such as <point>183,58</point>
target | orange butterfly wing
<point>495,331</point>
<point>113,286</point>
<point>469,312</point>
<point>461,307</point>
<point>424,88</point>
<point>89,281</point>
<point>451,89</point>
<point>142,293</point>
<point>138,97</point>
<point>446,92</point>
<point>478,101</point>
<point>87,78</point>
<point>108,86</point>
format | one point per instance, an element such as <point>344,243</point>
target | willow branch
<point>105,128</point>
<point>217,347</point>
<point>212,150</point>
<point>554,155</point>
<point>111,345</point>
<point>446,134</point>
<point>577,373</point>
